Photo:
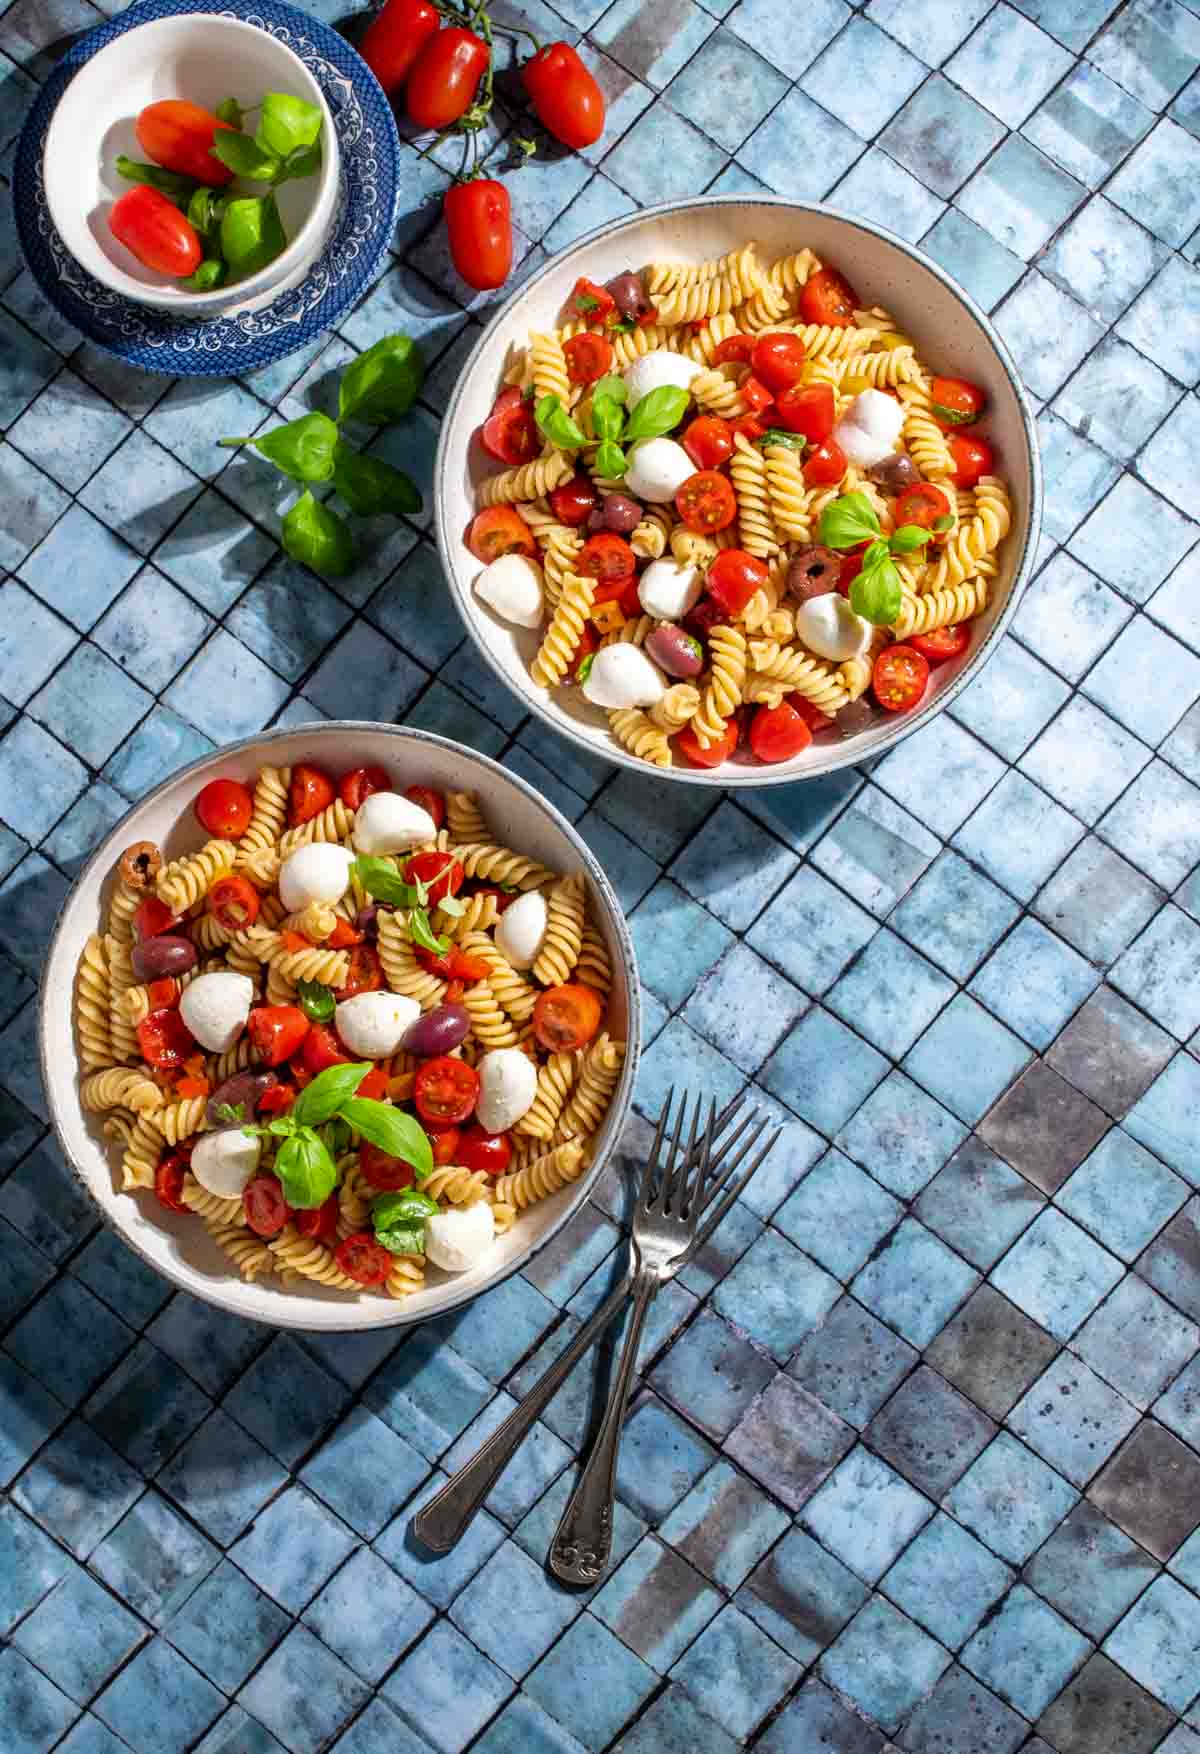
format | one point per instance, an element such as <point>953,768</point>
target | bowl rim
<point>302,248</point>
<point>622,1104</point>
<point>728,777</point>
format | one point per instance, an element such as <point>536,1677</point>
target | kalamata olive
<point>895,473</point>
<point>630,295</point>
<point>156,958</point>
<point>814,572</point>
<point>595,522</point>
<point>141,864</point>
<point>243,1091</point>
<point>437,1031</point>
<point>621,513</point>
<point>857,716</point>
<point>367,919</point>
<point>675,651</point>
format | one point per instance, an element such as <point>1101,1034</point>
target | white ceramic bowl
<point>951,332</point>
<point>203,57</point>
<point>178,1246</point>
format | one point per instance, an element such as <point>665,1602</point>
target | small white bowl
<point>952,334</point>
<point>178,1246</point>
<point>205,58</point>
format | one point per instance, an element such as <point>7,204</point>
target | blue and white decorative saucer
<point>238,341</point>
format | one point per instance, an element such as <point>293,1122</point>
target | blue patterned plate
<point>234,341</point>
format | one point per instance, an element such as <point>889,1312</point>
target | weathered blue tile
<point>1156,184</point>
<point>158,1701</point>
<point>955,914</point>
<point>1158,322</point>
<point>712,1373</point>
<point>1137,1342</point>
<point>655,1603</point>
<point>212,552</point>
<point>984,267</point>
<point>1159,970</point>
<point>881,190</point>
<point>770,152</point>
<point>735,1673</point>
<point>32,1566</point>
<point>226,691</point>
<point>1102,259</point>
<point>801,1596</point>
<point>516,1314</point>
<point>1176,608</point>
<point>901,1135</point>
<point>521,1728</point>
<point>941,135</point>
<point>947,1581</point>
<point>661,1459</point>
<point>1009,65</point>
<point>303,1693</point>
<point>286,1400</point>
<point>1158,1641</point>
<point>800,814</point>
<point>1019,835</point>
<point>147,1407</point>
<point>961,1708</point>
<point>790,41</point>
<point>852,1363</point>
<point>1075,473</point>
<point>1117,397</point>
<point>1151,50</point>
<point>77,1486</point>
<point>1010,1499</point>
<point>1034,982</point>
<point>966,1059</point>
<point>84,826</point>
<point>1097,901</point>
<point>80,567</point>
<point>33,642</point>
<point>227,1626</point>
<point>734,868</point>
<point>884,1663</point>
<point>293,1547</point>
<point>69,431</point>
<point>78,1635</point>
<point>1108,541</point>
<point>866,1212</point>
<point>39,776</point>
<point>153,1558</point>
<point>929,1432</point>
<point>1085,759</point>
<point>1019,196</point>
<point>536,1530</point>
<point>35,1713</point>
<point>90,1335</point>
<point>159,745</point>
<point>945,777</point>
<point>35,501</point>
<point>822,1071</point>
<point>977,1204</point>
<point>814,1717</point>
<point>676,941</point>
<point>1122,1194</point>
<point>1089,1570</point>
<point>876,851</point>
<point>659,824</point>
<point>596,1715</point>
<point>789,1441</point>
<point>629,870</point>
<point>672,1725</point>
<point>914,1283</point>
<point>364,1471</point>
<point>235,1732</point>
<point>1056,1273</point>
<point>1163,462</point>
<point>222,1477</point>
<point>428,1394</point>
<point>891,993</point>
<point>44,1201</point>
<point>725,89</point>
<point>367,1614</point>
<point>1049,334</point>
<point>716,1012</point>
<point>863,77</point>
<point>811,930</point>
<point>663,158</point>
<point>724,1526</point>
<point>438,1577</point>
<point>1072,1419</point>
<point>680,1057</point>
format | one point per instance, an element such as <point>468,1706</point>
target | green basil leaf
<point>303,450</point>
<point>611,461</point>
<point>422,933</point>
<point>316,537</point>
<point>657,413</point>
<point>370,486</point>
<point>306,1171</point>
<point>383,883</point>
<point>205,211</point>
<point>410,1206</point>
<point>286,124</point>
<point>402,1239</point>
<point>944,523</point>
<point>252,233</point>
<point>328,1094</point>
<point>608,417</point>
<point>281,1128</point>
<point>316,1001</point>
<point>383,383</point>
<point>584,302</point>
<point>585,668</point>
<point>610,389</point>
<point>908,537</point>
<point>210,273</point>
<point>875,593</point>
<point>778,435</point>
<point>451,905</point>
<point>952,416</point>
<point>557,425</point>
<point>391,1130</point>
<point>304,162</point>
<point>245,157</point>
<point>173,184</point>
<point>234,1115</point>
<point>230,110</point>
<point>337,1136</point>
<point>847,521</point>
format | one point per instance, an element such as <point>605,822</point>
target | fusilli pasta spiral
<point>92,1005</point>
<point>544,1176</point>
<point>529,481</point>
<point>187,881</point>
<point>561,639</point>
<point>566,908</point>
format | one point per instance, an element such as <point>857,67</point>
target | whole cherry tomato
<point>690,746</point>
<point>565,97</point>
<point>708,441</point>
<point>488,1151</point>
<point>440,871</point>
<point>955,402</point>
<point>153,917</point>
<point>360,1257</point>
<point>900,678</point>
<point>318,1223</point>
<point>588,357</point>
<point>428,799</point>
<point>386,1174</point>
<point>446,1089</point>
<point>510,432</point>
<point>734,350</point>
<point>942,643</point>
<point>825,465</point>
<point>165,1039</point>
<point>179,136</point>
<point>311,792</point>
<point>567,1017</point>
<point>360,782</point>
<point>444,1141</point>
<point>922,505</point>
<point>168,1181</point>
<point>808,410</point>
<point>394,39</point>
<point>156,232</point>
<point>322,1049</point>
<point>275,1032</point>
<point>366,973</point>
<point>827,297</point>
<point>234,903</point>
<point>497,530</point>
<point>479,226</point>
<point>756,394</point>
<point>224,808</point>
<point>606,556</point>
<point>733,578</point>
<point>265,1208</point>
<point>779,732</point>
<point>706,502</point>
<point>574,501</point>
<point>445,77</point>
<point>778,361</point>
<point>971,457</point>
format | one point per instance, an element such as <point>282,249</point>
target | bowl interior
<point>951,335</point>
<point>204,58</point>
<point>179,1246</point>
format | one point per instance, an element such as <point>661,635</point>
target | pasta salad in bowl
<point>339,1026</point>
<point>741,516</point>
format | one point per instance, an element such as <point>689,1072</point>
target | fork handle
<point>583,1541</point>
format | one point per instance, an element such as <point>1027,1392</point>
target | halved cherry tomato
<point>756,394</point>
<point>375,1084</point>
<point>360,782</point>
<point>565,97</point>
<point>388,1174</point>
<point>808,409</point>
<point>622,591</point>
<point>446,1090</point>
<point>922,505</point>
<point>592,303</point>
<point>900,678</point>
<point>224,808</point>
<point>322,1049</point>
<point>275,1032</point>
<point>708,441</point>
<point>606,556</point>
<point>588,357</point>
<point>971,457</point>
<point>488,1151</point>
<point>478,226</point>
<point>828,298</point>
<point>311,792</point>
<point>497,530</point>
<point>441,872</point>
<point>394,39</point>
<point>942,643</point>
<point>778,361</point>
<point>154,230</point>
<point>234,903</point>
<point>510,431</point>
<point>276,1100</point>
<point>360,1257</point>
<point>733,578</point>
<point>567,1017</point>
<point>319,1222</point>
<point>168,1181</point>
<point>179,135</point>
<point>955,402</point>
<point>294,942</point>
<point>366,973</point>
<point>734,350</point>
<point>574,501</point>
<point>445,1144</point>
<point>444,78</point>
<point>163,994</point>
<point>706,502</point>
<point>779,732</point>
<point>152,917</point>
<point>265,1208</point>
<point>749,425</point>
<point>343,936</point>
<point>690,746</point>
<point>455,965</point>
<point>825,465</point>
<point>428,799</point>
<point>165,1039</point>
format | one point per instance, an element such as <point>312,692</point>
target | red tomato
<point>623,591</point>
<point>375,1084</point>
<point>510,431</point>
<point>778,360</point>
<point>828,298</point>
<point>749,425</point>
<point>163,994</point>
<point>343,936</point>
<point>394,39</point>
<point>276,1100</point>
<point>689,746</point>
<point>826,465</point>
<point>756,394</point>
<point>387,1174</point>
<point>275,1032</point>
<point>734,350</point>
<point>153,917</point>
<point>971,457</point>
<point>708,441</point>
<point>733,578</point>
<point>779,732</point>
<point>812,715</point>
<point>574,501</point>
<point>446,1090</point>
<point>440,871</point>
<point>360,1257</point>
<point>311,792</point>
<point>234,903</point>
<point>922,505</point>
<point>429,800</point>
<point>179,135</point>
<point>593,303</point>
<point>605,556</point>
<point>445,1144</point>
<point>224,808</point>
<point>588,357</point>
<point>497,530</point>
<point>318,1223</point>
<point>565,97</point>
<point>955,402</point>
<point>942,643</point>
<point>900,678</point>
<point>455,965</point>
<point>444,79</point>
<point>360,782</point>
<point>168,1181</point>
<point>322,1049</point>
<point>478,223</point>
<point>165,1039</point>
<point>589,644</point>
<point>808,410</point>
<point>264,1205</point>
<point>567,1017</point>
<point>366,973</point>
<point>156,232</point>
<point>488,1151</point>
<point>706,502</point>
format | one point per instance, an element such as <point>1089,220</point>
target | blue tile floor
<point>927,1482</point>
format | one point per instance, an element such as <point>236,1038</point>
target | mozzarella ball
<point>507,1087</point>
<point>658,468</point>
<point>667,590</point>
<point>521,928</point>
<point>388,823</point>
<point>512,586</point>
<point>317,872</point>
<point>457,1240</point>
<point>622,675</point>
<point>653,371</point>
<point>869,429</point>
<point>829,627</point>
<point>224,1162</point>
<point>372,1025</point>
<point>215,1008</point>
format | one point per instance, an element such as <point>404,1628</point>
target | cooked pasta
<point>121,1087</point>
<point>787,493</point>
<point>565,632</point>
<point>756,525</point>
<point>332,824</point>
<point>640,735</point>
<point>249,1253</point>
<point>544,1176</point>
<point>464,819</point>
<point>556,1079</point>
<point>92,1006</point>
<point>187,881</point>
<point>269,813</point>
<point>566,908</point>
<point>677,708</point>
<point>401,969</point>
<point>722,697</point>
<point>920,615</point>
<point>529,481</point>
<point>548,367</point>
<point>597,1080</point>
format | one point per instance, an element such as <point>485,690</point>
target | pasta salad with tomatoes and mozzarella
<point>737,508</point>
<point>351,1033</point>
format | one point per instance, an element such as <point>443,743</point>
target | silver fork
<point>665,1224</point>
<point>441,1524</point>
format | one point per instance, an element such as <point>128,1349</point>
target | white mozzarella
<point>317,872</point>
<point>622,675</point>
<point>512,586</point>
<point>653,371</point>
<point>457,1240</point>
<point>224,1162</point>
<point>389,823</point>
<point>667,590</point>
<point>373,1025</point>
<point>507,1087</point>
<point>521,928</point>
<point>868,430</point>
<point>215,1008</point>
<point>658,468</point>
<point>829,627</point>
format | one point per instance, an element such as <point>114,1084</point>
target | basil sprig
<point>654,414</point>
<point>399,1221</point>
<point>658,412</point>
<point>875,594</point>
<point>384,884</point>
<point>555,424</point>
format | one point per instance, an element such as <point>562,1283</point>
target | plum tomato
<point>487,1151</point>
<point>942,643</point>
<point>168,1181</point>
<point>955,402</point>
<point>322,1049</point>
<point>691,748</point>
<point>428,799</point>
<point>319,1223</point>
<point>275,1032</point>
<point>807,409</point>
<point>311,792</point>
<point>478,226</point>
<point>922,505</point>
<point>779,732</point>
<point>165,1039</point>
<point>366,972</point>
<point>154,230</point>
<point>971,458</point>
<point>394,39</point>
<point>592,303</point>
<point>733,578</point>
<point>708,441</point>
<point>440,871</point>
<point>179,136</point>
<point>588,357</point>
<point>827,297</point>
<point>265,1208</point>
<point>443,80</point>
<point>497,530</point>
<point>234,903</point>
<point>388,1175</point>
<point>706,502</point>
<point>574,501</point>
<point>825,465</point>
<point>567,1017</point>
<point>900,678</point>
<point>224,808</point>
<point>734,350</point>
<point>360,1257</point>
<point>446,1090</point>
<point>778,361</point>
<point>565,97</point>
<point>510,431</point>
<point>606,556</point>
<point>360,782</point>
